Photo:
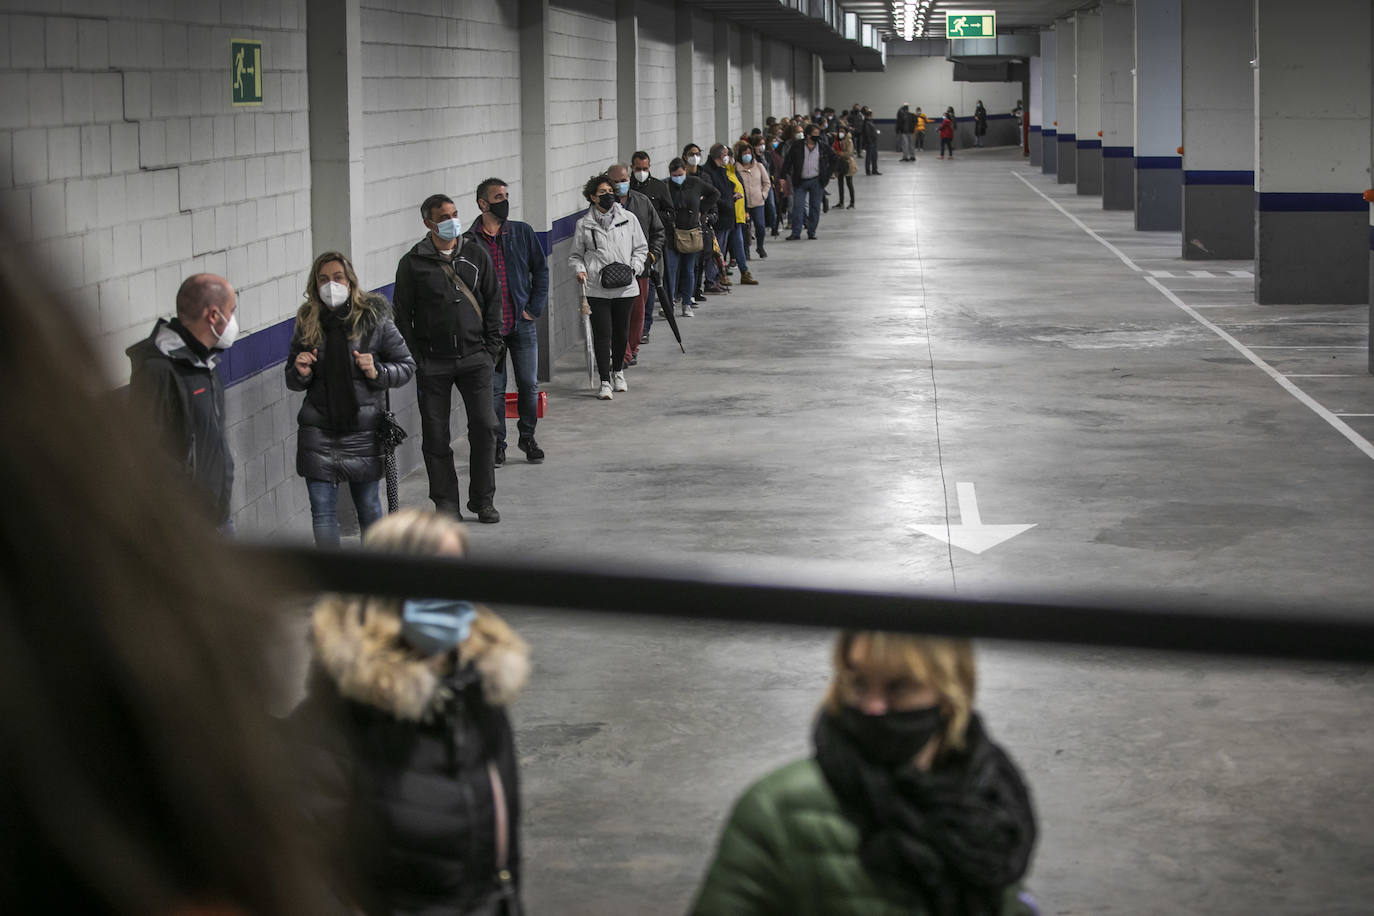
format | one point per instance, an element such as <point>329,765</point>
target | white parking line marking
<point>1295,347</point>
<point>1313,375</point>
<point>1082,225</point>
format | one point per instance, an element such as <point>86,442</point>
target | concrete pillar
<point>1312,107</point>
<point>1066,106</point>
<point>1370,195</point>
<point>1118,113</point>
<point>1088,100</point>
<point>686,109</point>
<point>748,82</point>
<point>1158,114</point>
<point>1049,132</point>
<point>771,104</point>
<point>721,42</point>
<point>334,77</point>
<point>1218,130</point>
<point>626,78</point>
<point>534,138</point>
<point>1035,110</point>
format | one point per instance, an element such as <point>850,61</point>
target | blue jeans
<point>522,351</point>
<point>731,241</point>
<point>324,507</point>
<point>682,277</point>
<point>757,218</point>
<point>806,196</point>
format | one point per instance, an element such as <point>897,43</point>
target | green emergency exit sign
<point>245,68</point>
<point>970,24</point>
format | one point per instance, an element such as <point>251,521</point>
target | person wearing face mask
<point>906,806</point>
<point>922,122</point>
<point>609,251</point>
<point>692,198</point>
<point>410,780</point>
<point>522,272</point>
<point>345,354</point>
<point>657,191</point>
<point>449,310</point>
<point>869,132</point>
<point>652,225</point>
<point>730,210</point>
<point>808,167</point>
<point>767,153</point>
<point>691,155</point>
<point>846,164</point>
<point>906,124</point>
<point>753,175</point>
<point>173,378</point>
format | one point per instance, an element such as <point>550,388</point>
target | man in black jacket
<point>870,134</point>
<point>174,379</point>
<point>657,192</point>
<point>448,307</point>
<point>652,224</point>
<point>807,168</point>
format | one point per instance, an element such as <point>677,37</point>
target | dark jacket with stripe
<point>439,324</point>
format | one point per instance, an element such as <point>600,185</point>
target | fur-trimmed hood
<point>358,646</point>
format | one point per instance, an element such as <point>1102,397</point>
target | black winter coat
<point>438,323</point>
<point>692,200</point>
<point>353,454</point>
<point>717,178</point>
<point>657,192</point>
<point>406,810</point>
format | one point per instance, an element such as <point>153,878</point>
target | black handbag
<point>617,275</point>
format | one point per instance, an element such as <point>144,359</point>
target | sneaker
<point>811,237</point>
<point>604,393</point>
<point>686,312</point>
<point>645,339</point>
<point>533,453</point>
<point>487,514</point>
<point>762,253</point>
<point>793,238</point>
<point>700,297</point>
<point>850,207</point>
<point>715,290</point>
<point>632,360</point>
<point>500,453</point>
<point>618,381</point>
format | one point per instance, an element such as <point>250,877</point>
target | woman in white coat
<point>608,252</point>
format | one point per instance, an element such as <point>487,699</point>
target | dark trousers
<point>843,180</point>
<point>947,143</point>
<point>920,139</point>
<point>871,159</point>
<point>434,392</point>
<point>610,331</point>
<point>637,312</point>
<point>522,354</point>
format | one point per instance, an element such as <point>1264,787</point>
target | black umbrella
<point>667,302</point>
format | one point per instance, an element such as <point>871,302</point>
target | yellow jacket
<point>921,122</point>
<point>741,211</point>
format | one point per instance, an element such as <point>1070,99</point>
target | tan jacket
<point>754,177</point>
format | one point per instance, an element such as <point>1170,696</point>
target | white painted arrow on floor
<point>971,534</point>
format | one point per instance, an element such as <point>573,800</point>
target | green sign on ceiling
<point>970,24</point>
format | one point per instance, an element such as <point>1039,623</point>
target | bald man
<point>175,381</point>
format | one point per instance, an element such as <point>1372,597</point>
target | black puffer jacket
<point>411,777</point>
<point>693,200</point>
<point>324,453</point>
<point>717,178</point>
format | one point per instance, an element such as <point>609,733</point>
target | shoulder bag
<point>617,274</point>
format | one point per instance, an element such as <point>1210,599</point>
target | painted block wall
<point>733,92</point>
<point>927,82</point>
<point>441,112</point>
<point>703,82</point>
<point>582,93</point>
<point>779,73</point>
<point>125,168</point>
<point>658,84</point>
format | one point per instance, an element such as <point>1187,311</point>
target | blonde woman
<point>413,784</point>
<point>345,353</point>
<point>908,806</point>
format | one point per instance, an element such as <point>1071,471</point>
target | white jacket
<point>593,247</point>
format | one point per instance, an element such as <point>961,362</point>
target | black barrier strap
<point>1166,624</point>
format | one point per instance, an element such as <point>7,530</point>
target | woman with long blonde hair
<point>907,807</point>
<point>345,353</point>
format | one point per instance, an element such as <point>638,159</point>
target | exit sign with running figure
<point>970,24</point>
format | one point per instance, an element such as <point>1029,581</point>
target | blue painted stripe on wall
<point>1294,202</point>
<point>256,352</point>
<point>1068,138</point>
<point>1233,177</point>
<point>1118,152</point>
<point>1035,128</point>
<point>1090,144</point>
<point>1159,162</point>
<point>1048,132</point>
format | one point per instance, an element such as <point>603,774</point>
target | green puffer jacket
<point>789,850</point>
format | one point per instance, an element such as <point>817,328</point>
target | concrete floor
<point>957,328</point>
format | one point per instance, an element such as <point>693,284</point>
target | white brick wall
<point>733,97</point>
<point>582,94</point>
<point>703,83</point>
<point>781,69</point>
<point>658,84</point>
<point>441,112</point>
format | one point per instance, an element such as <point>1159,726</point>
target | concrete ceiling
<point>1012,15</point>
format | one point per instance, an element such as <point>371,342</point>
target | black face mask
<point>606,201</point>
<point>500,210</point>
<point>893,738</point>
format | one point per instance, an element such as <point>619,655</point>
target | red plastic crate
<point>513,405</point>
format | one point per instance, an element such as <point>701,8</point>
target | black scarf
<point>959,834</point>
<point>341,401</point>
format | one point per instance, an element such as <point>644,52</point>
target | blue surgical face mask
<point>678,179</point>
<point>746,158</point>
<point>448,229</point>
<point>432,626</point>
<point>622,188</point>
